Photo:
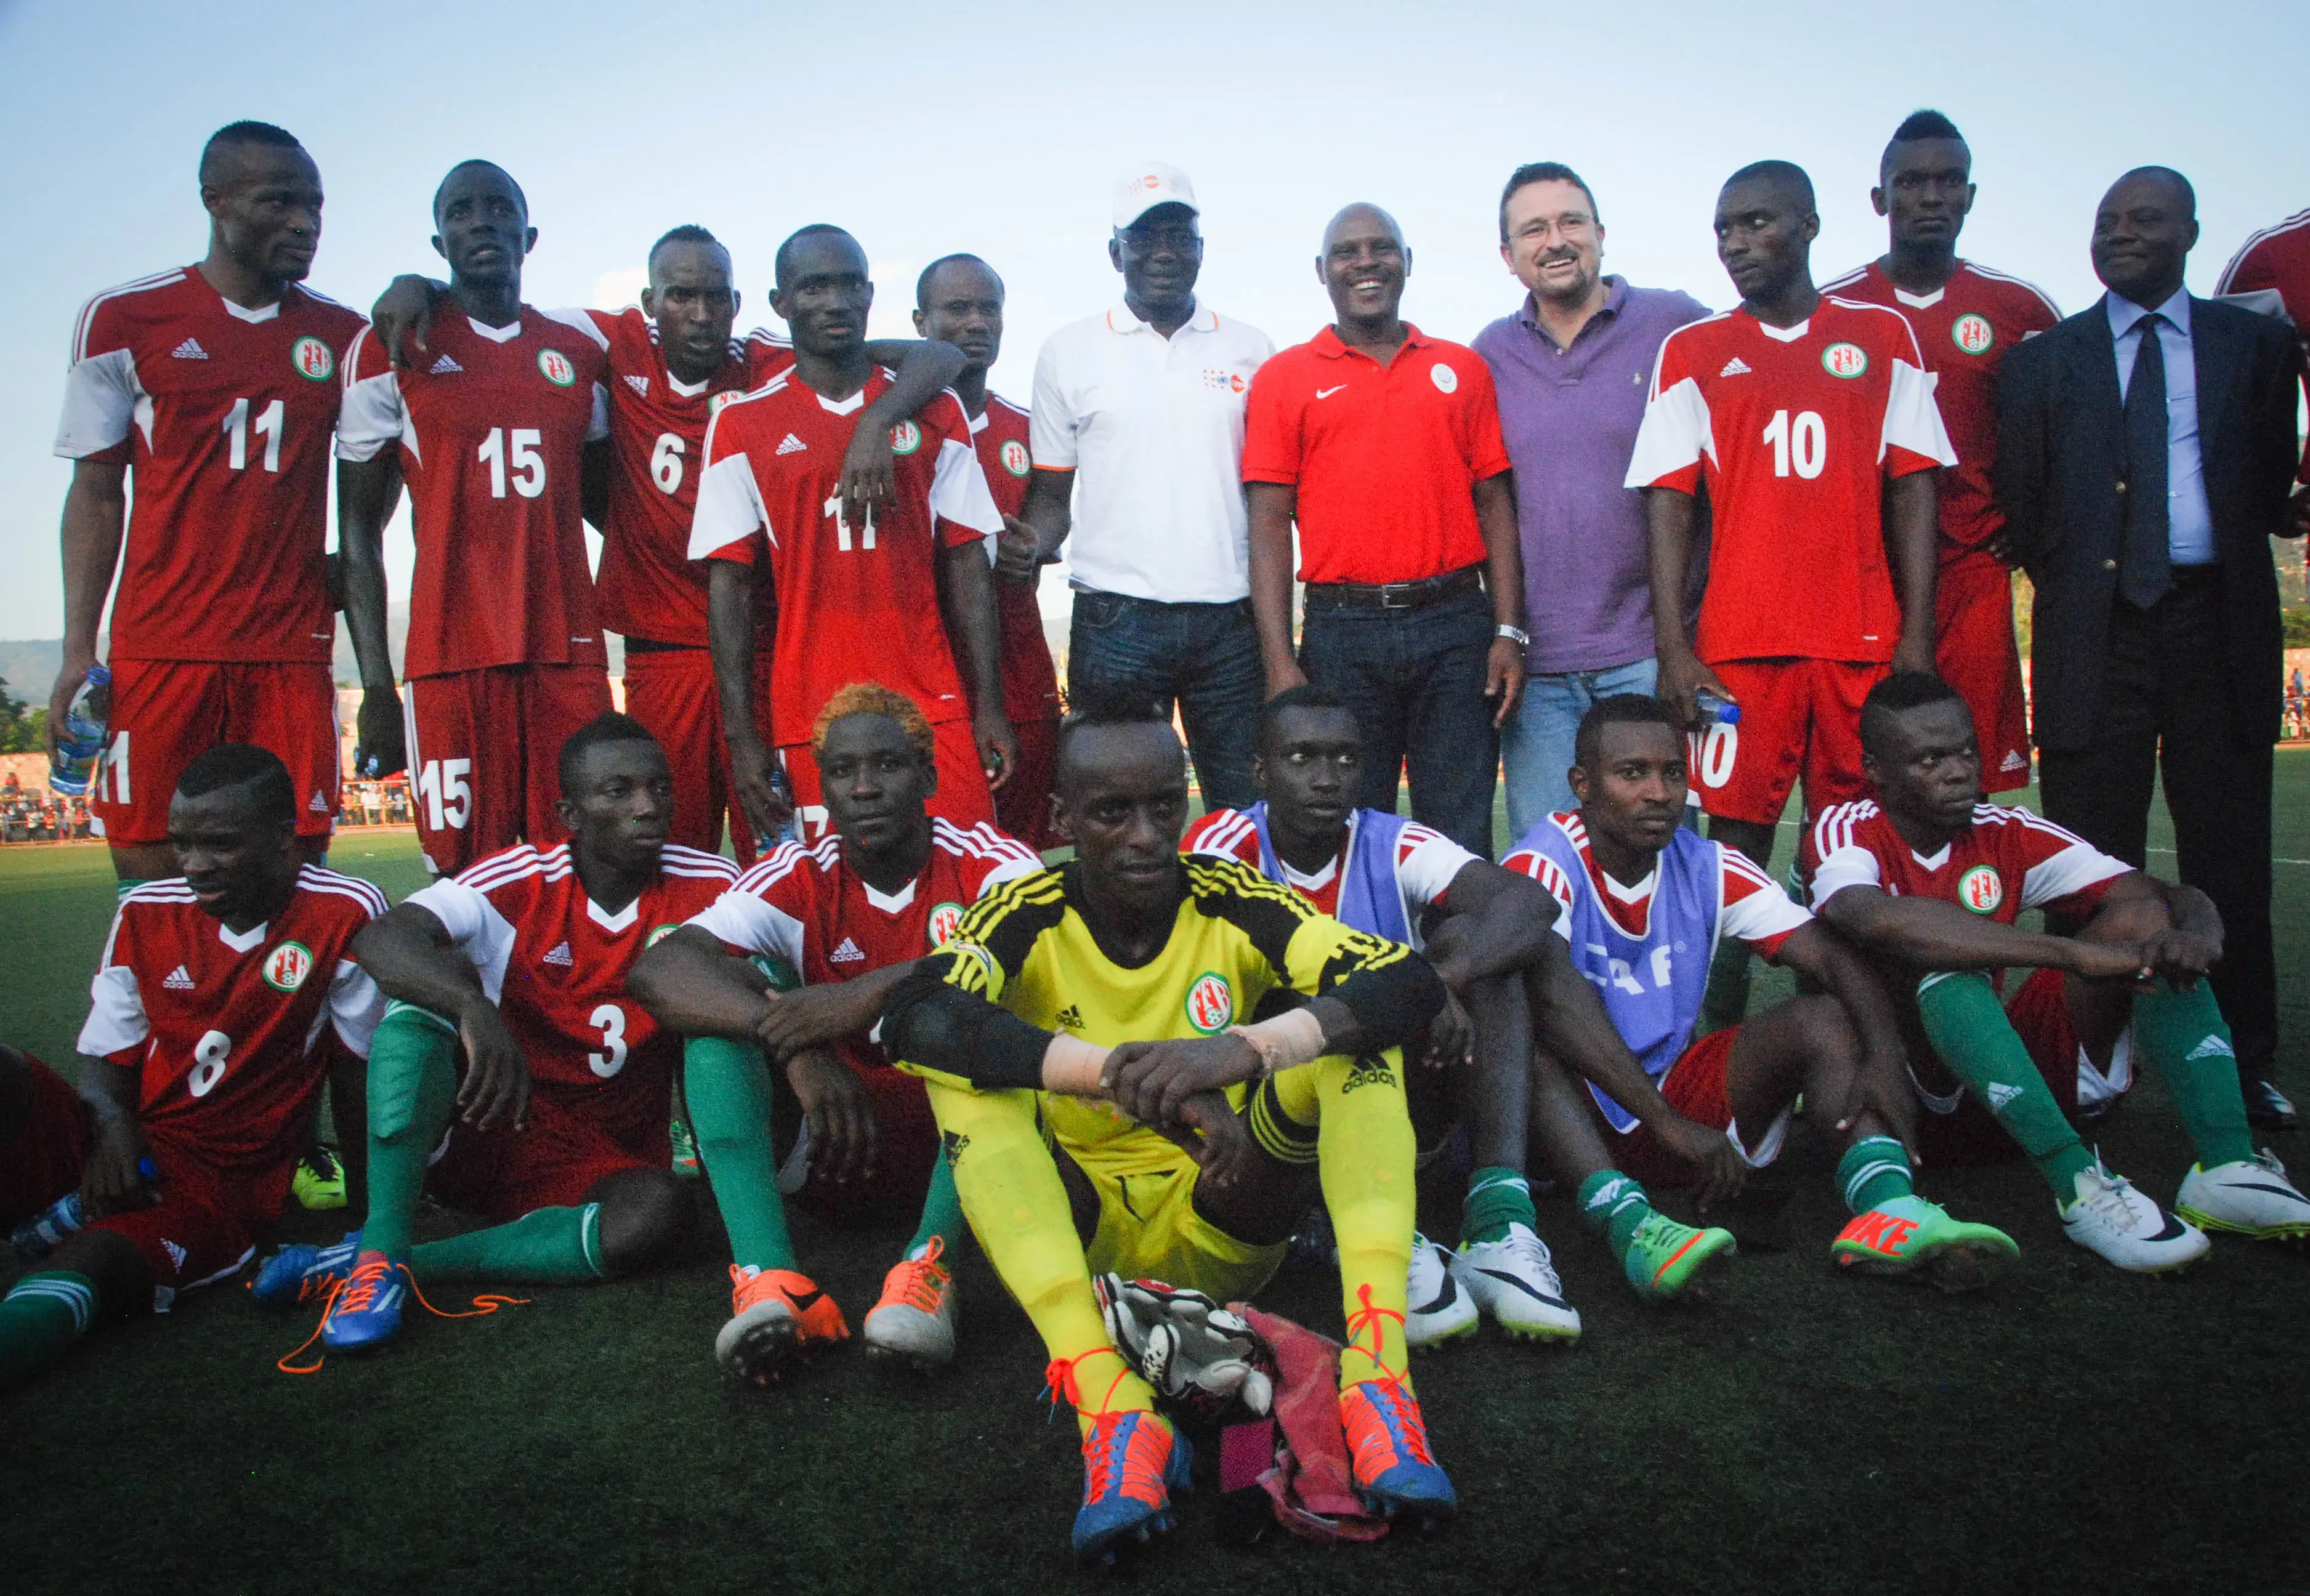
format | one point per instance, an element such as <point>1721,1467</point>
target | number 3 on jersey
<point>611,1021</point>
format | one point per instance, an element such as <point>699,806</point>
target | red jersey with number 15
<point>492,424</point>
<point>855,602</point>
<point>1030,684</point>
<point>1796,429</point>
<point>223,416</point>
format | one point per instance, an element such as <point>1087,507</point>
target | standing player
<point>220,1001</point>
<point>959,299</point>
<point>853,915</point>
<point>504,656</point>
<point>214,385</point>
<point>905,594</point>
<point>1931,881</point>
<point>1965,317</point>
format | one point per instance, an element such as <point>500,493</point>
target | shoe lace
<point>1398,1422</point>
<point>1528,1250</point>
<point>921,1283</point>
<point>1060,1384</point>
<point>2108,1196</point>
<point>2269,1160</point>
<point>360,1288</point>
<point>1121,1457</point>
<point>1368,1317</point>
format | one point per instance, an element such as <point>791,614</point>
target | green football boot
<point>320,1180</point>
<point>1908,1234</point>
<point>1664,1256</point>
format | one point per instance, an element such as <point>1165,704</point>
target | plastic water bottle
<point>45,1231</point>
<point>1722,711</point>
<point>80,740</point>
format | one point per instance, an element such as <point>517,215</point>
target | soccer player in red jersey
<point>213,385</point>
<point>1930,880</point>
<point>903,597</point>
<point>223,997</point>
<point>2278,259</point>
<point>1965,317</point>
<point>504,654</point>
<point>959,299</point>
<point>853,915</point>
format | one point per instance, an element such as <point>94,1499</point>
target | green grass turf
<point>2075,1430</point>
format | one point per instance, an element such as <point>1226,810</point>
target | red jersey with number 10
<point>855,602</point>
<point>492,424</point>
<point>1796,429</point>
<point>1030,684</point>
<point>223,416</point>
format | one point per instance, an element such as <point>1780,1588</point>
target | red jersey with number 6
<point>1030,684</point>
<point>2007,860</point>
<point>492,424</point>
<point>225,1031</point>
<point>554,962</point>
<point>223,416</point>
<point>855,602</point>
<point>1796,429</point>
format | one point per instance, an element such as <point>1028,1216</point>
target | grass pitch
<point>2075,1430</point>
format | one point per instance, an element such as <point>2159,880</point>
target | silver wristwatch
<point>1515,634</point>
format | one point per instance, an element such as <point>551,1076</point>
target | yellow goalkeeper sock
<point>1365,1151</point>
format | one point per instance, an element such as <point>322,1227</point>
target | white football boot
<point>914,1319</point>
<point>2251,1197</point>
<point>1438,1307</point>
<point>2110,1217</point>
<point>1514,1279</point>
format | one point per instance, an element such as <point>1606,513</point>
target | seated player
<point>1643,903</point>
<point>1928,880</point>
<point>216,1012</point>
<point>556,1125</point>
<point>852,915</point>
<point>1101,1004</point>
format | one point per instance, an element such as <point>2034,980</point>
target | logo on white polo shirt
<point>1446,380</point>
<point>1226,382</point>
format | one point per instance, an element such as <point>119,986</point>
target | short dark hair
<point>689,232</point>
<point>2168,175</point>
<point>609,726</point>
<point>1902,690</point>
<point>234,134</point>
<point>786,250</point>
<point>1096,712</point>
<point>519,198</point>
<point>1621,709</point>
<point>243,764</point>
<point>1543,171</point>
<point>1915,128</point>
<point>1782,174</point>
<point>923,283</point>
<point>1306,696</point>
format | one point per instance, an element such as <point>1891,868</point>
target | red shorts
<point>42,1155</point>
<point>1695,1087</point>
<point>907,1141</point>
<point>961,797</point>
<point>1798,717</point>
<point>502,1173</point>
<point>1974,651</point>
<point>207,1222</point>
<point>671,692</point>
<point>164,714</point>
<point>1023,805</point>
<point>482,752</point>
<point>1958,1129</point>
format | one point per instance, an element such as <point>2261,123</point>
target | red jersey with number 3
<point>1030,684</point>
<point>555,962</point>
<point>807,906</point>
<point>223,416</point>
<point>1964,332</point>
<point>224,1031</point>
<point>491,423</point>
<point>855,602</point>
<point>2007,860</point>
<point>647,585</point>
<point>1795,429</point>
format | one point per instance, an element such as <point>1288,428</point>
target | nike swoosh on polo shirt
<point>1327,393</point>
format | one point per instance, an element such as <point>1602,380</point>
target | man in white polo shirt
<point>1144,402</point>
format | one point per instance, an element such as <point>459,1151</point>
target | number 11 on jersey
<point>833,509</point>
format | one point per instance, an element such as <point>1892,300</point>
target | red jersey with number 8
<point>855,602</point>
<point>1795,430</point>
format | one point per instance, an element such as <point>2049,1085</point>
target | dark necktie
<point>2147,574</point>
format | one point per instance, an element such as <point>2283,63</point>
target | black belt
<point>1396,595</point>
<point>646,646</point>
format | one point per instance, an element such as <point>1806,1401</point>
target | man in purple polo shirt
<point>1571,366</point>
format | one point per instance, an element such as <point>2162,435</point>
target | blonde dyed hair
<point>871,698</point>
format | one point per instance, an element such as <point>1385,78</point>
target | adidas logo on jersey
<point>560,955</point>
<point>792,446</point>
<point>1735,366</point>
<point>2212,1047</point>
<point>190,349</point>
<point>2015,760</point>
<point>175,1252</point>
<point>445,365</point>
<point>640,384</point>
<point>180,979</point>
<point>1071,1016</point>
<point>848,953</point>
<point>2001,1093</point>
<point>318,804</point>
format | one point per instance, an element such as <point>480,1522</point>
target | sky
<point>1002,130</point>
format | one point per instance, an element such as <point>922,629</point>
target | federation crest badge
<point>1013,456</point>
<point>1973,333</point>
<point>1844,360</point>
<point>658,934</point>
<point>1211,1003</point>
<point>312,360</point>
<point>287,966</point>
<point>1980,890</point>
<point>557,367</point>
<point>906,438</point>
<point>944,919</point>
<point>716,404</point>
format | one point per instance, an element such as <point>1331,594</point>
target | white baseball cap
<point>1151,186</point>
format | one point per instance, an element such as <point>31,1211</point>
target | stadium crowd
<point>1627,555</point>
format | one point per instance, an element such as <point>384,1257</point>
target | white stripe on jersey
<point>2044,297</point>
<point>315,877</point>
<point>2300,219</point>
<point>88,311</point>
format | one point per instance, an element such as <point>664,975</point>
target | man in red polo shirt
<point>1383,446</point>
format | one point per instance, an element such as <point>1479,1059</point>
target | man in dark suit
<point>2145,447</point>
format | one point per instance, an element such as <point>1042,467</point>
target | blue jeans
<point>1203,657</point>
<point>1536,745</point>
<point>1415,678</point>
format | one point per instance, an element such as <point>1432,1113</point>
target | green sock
<point>412,1090</point>
<point>1498,1197</point>
<point>551,1247</point>
<point>942,1210</point>
<point>1873,1171</point>
<point>1967,1027</point>
<point>1615,1205</point>
<point>2186,1038</point>
<point>727,1086</point>
<point>43,1314</point>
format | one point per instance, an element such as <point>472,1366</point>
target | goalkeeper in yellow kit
<point>1110,1101</point>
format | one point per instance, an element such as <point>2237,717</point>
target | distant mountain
<point>30,667</point>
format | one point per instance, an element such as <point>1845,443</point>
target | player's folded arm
<point>931,1024</point>
<point>1389,992</point>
